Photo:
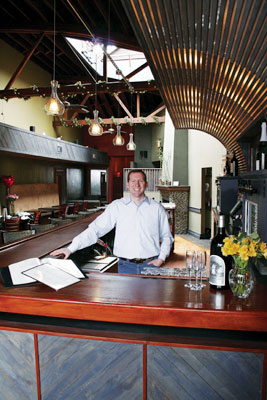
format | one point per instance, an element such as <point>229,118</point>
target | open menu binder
<point>53,272</point>
<point>99,264</point>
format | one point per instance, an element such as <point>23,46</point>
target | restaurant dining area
<point>133,201</point>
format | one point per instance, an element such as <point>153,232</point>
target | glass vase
<point>241,280</point>
<point>11,208</point>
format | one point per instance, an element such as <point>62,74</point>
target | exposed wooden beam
<point>86,88</point>
<point>23,63</point>
<point>137,70</point>
<point>81,104</point>
<point>123,105</point>
<point>75,32</point>
<point>138,105</point>
<point>157,111</point>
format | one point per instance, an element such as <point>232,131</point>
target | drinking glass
<point>197,268</point>
<point>201,257</point>
<point>189,262</point>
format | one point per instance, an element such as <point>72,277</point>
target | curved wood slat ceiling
<point>208,58</point>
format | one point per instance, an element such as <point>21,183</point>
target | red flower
<point>8,181</point>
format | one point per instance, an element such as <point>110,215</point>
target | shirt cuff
<point>71,248</point>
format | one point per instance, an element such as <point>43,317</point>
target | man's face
<point>136,185</point>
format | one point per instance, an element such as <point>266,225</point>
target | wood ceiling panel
<point>208,58</point>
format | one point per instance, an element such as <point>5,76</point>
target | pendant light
<point>118,139</point>
<point>54,105</point>
<point>95,129</point>
<point>131,146</point>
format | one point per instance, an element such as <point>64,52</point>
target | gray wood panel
<point>183,374</point>
<point>17,366</point>
<point>20,141</point>
<point>89,369</point>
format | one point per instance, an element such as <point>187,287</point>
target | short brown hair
<point>133,171</point>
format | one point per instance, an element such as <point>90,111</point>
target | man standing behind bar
<point>142,236</point>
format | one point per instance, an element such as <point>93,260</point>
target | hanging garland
<point>79,85</point>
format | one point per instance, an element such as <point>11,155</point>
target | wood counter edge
<point>136,314</point>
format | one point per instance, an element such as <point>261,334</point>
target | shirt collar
<point>127,199</point>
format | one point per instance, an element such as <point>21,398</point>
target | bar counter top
<point>145,300</point>
<point>140,300</point>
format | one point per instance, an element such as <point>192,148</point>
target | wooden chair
<point>84,206</point>
<point>75,213</point>
<point>76,208</point>
<point>12,224</point>
<point>11,236</point>
<point>41,227</point>
<point>37,217</point>
<point>63,210</point>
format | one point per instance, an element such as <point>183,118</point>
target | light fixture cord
<point>95,81</point>
<point>54,48</point>
<point>104,51</point>
<point>131,94</point>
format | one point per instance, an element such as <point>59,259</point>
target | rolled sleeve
<point>99,227</point>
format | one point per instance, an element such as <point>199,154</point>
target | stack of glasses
<point>195,261</point>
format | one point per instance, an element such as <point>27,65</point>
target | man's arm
<point>165,238</point>
<point>98,228</point>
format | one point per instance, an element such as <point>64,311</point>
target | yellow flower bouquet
<point>243,248</point>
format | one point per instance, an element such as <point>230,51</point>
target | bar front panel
<point>73,368</point>
<point>186,374</point>
<point>17,366</point>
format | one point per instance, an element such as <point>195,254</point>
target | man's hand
<point>64,251</point>
<point>158,262</point>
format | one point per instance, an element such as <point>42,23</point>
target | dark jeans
<point>127,267</point>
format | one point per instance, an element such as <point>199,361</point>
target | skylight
<point>126,60</point>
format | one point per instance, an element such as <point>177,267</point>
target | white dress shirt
<point>142,230</point>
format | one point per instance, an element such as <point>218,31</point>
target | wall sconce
<point>159,144</point>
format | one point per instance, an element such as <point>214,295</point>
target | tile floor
<point>201,242</point>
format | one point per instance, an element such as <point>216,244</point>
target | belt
<point>137,260</point>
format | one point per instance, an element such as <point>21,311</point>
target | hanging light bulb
<point>95,129</point>
<point>118,139</point>
<point>54,105</point>
<point>131,146</point>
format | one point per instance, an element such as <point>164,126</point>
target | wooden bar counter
<point>128,337</point>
